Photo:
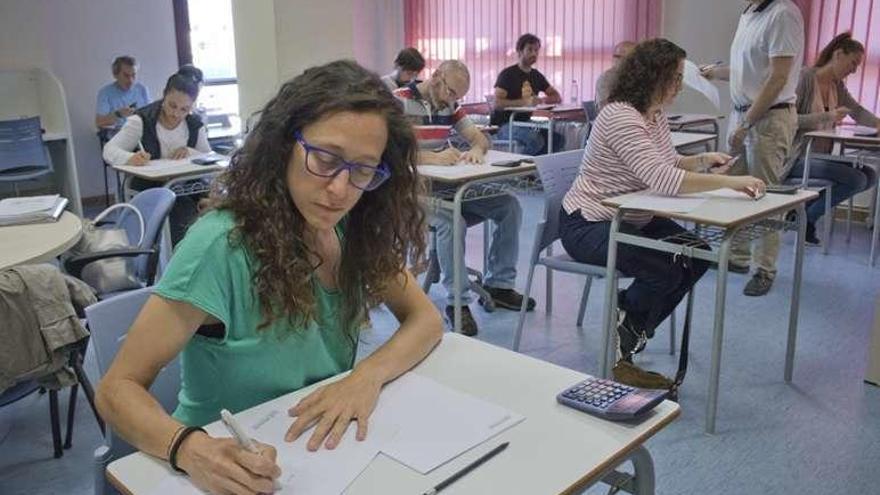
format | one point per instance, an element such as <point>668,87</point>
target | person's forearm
<point>108,120</point>
<point>722,73</point>
<point>415,338</point>
<point>136,416</point>
<point>426,157</point>
<point>692,163</point>
<point>553,99</point>
<point>769,91</point>
<point>694,182</point>
<point>481,142</point>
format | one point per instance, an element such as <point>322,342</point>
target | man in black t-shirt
<point>519,86</point>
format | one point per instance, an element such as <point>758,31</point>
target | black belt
<point>778,106</point>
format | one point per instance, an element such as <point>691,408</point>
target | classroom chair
<point>109,321</point>
<point>155,205</point>
<point>23,156</point>
<point>557,172</point>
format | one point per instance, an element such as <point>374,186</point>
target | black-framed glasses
<point>325,163</point>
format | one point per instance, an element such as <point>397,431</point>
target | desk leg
<point>718,332</point>
<point>548,279</point>
<point>606,347</point>
<point>795,292</point>
<point>457,255</point>
<point>717,135</point>
<point>643,471</point>
<point>550,135</point>
<point>510,132</point>
<point>876,219</point>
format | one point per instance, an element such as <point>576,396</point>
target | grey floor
<point>818,435</point>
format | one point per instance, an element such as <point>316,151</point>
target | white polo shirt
<point>776,31</point>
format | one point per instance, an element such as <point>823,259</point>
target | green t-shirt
<point>248,366</point>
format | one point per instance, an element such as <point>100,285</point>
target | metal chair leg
<point>87,389</point>
<point>71,410</point>
<point>829,219</point>
<point>585,295</point>
<point>849,214</point>
<point>56,424</point>
<point>672,333</point>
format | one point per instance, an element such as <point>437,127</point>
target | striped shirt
<point>625,153</point>
<point>431,125</point>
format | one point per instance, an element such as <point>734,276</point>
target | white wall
<point>77,40</point>
<point>256,53</point>
<point>704,28</point>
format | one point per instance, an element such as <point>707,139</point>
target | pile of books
<point>31,209</point>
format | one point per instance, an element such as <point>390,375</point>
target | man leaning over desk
<point>434,102</point>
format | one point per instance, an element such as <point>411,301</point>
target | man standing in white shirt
<point>765,59</point>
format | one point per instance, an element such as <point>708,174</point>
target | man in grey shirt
<point>606,79</point>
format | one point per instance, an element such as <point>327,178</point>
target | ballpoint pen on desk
<point>240,436</point>
<point>465,470</point>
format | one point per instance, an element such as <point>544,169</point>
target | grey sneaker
<point>760,283</point>
<point>468,324</point>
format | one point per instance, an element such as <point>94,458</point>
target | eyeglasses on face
<point>327,164</point>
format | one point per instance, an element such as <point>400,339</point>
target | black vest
<point>150,116</point>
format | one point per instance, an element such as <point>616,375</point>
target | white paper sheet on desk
<point>693,79</point>
<point>655,202</point>
<point>164,164</point>
<point>323,471</point>
<point>725,192</point>
<point>436,423</point>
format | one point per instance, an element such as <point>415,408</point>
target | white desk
<point>38,242</point>
<point>175,174</point>
<point>551,112</point>
<point>844,136</point>
<point>466,182</point>
<point>718,221</point>
<point>685,139</point>
<point>555,450</point>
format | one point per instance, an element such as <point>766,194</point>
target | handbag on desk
<point>111,274</point>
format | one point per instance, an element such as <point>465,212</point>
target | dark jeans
<point>848,181</point>
<point>660,281</point>
<point>532,141</point>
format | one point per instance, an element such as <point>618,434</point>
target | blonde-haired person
<point>310,227</point>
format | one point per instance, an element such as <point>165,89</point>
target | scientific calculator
<point>608,399</point>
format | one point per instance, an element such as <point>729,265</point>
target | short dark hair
<point>410,59</point>
<point>527,39</point>
<point>651,67</point>
<point>192,72</point>
<point>184,84</point>
<point>126,60</point>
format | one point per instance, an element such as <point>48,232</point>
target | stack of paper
<point>31,209</point>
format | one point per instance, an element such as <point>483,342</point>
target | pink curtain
<point>577,36</point>
<point>824,19</point>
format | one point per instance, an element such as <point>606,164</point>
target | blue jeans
<point>532,141</point>
<point>848,181</point>
<point>506,213</point>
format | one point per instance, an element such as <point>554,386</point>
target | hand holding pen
<point>229,465</point>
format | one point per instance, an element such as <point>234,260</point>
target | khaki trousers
<point>766,148</point>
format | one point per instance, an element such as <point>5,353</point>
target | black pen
<point>470,467</point>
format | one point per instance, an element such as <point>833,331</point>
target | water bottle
<point>574,98</point>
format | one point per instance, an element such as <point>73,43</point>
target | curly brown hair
<point>646,73</point>
<point>383,231</point>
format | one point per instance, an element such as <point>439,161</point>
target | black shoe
<point>760,283</point>
<point>630,340</point>
<point>810,238</point>
<point>508,299</point>
<point>468,324</point>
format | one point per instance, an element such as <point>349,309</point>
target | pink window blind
<point>577,36</point>
<point>824,19</point>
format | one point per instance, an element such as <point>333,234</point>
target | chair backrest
<point>21,146</point>
<point>557,172</point>
<point>155,205</point>
<point>591,109</point>
<point>109,321</point>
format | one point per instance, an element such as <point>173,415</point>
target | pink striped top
<point>625,153</point>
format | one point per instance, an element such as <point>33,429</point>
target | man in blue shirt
<point>119,99</point>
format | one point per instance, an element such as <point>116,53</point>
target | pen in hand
<point>243,439</point>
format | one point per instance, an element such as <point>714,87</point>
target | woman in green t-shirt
<point>310,227</point>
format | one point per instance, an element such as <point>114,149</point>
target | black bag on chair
<point>111,274</point>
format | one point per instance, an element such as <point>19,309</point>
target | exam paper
<point>693,79</point>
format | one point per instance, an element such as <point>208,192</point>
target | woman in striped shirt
<point>630,149</point>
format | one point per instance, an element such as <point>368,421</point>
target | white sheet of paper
<point>726,193</point>
<point>693,79</point>
<point>652,202</point>
<point>437,423</point>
